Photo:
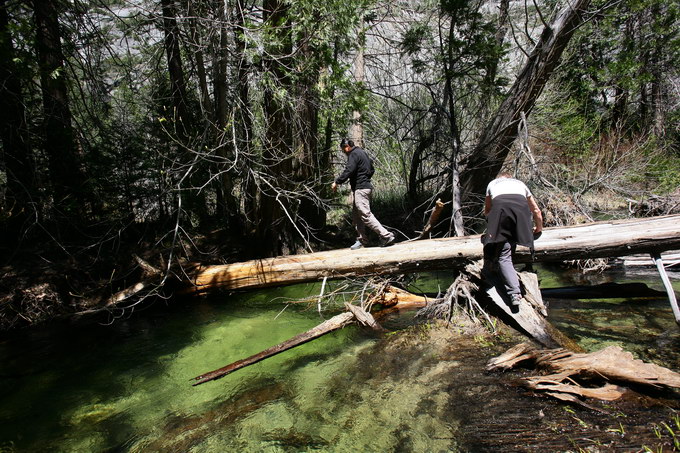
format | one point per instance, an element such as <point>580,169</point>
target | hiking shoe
<point>356,246</point>
<point>516,299</point>
<point>388,241</point>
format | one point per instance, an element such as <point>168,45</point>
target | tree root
<point>568,372</point>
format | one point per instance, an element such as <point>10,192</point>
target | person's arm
<point>350,168</point>
<point>536,213</point>
<point>487,205</point>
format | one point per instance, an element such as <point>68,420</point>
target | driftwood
<point>149,273</point>
<point>392,297</point>
<point>363,317</point>
<point>594,240</point>
<point>565,368</point>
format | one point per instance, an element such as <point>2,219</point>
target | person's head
<point>505,174</point>
<point>346,145</point>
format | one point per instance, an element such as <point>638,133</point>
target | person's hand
<point>334,187</point>
<point>538,231</point>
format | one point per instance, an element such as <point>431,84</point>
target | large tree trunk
<point>17,155</point>
<point>180,114</point>
<point>594,240</point>
<point>198,47</point>
<point>67,176</point>
<point>227,138</point>
<point>356,129</point>
<point>497,137</point>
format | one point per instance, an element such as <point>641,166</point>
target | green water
<point>126,386</point>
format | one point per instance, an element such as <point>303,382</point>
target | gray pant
<point>500,254</point>
<point>363,217</point>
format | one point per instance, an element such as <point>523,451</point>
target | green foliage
<point>666,170</point>
<point>413,39</point>
<point>572,130</point>
<point>668,433</point>
<point>615,61</point>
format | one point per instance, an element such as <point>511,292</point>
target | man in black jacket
<point>359,170</point>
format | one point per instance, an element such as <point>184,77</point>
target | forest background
<point>180,131</point>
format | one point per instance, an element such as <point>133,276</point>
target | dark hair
<point>346,142</point>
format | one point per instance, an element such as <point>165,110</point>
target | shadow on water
<point>421,387</point>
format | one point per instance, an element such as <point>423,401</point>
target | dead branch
<point>434,218</point>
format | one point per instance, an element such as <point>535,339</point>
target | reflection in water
<point>126,387</point>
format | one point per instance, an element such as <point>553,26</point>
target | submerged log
<point>593,240</point>
<point>395,297</point>
<point>603,291</point>
<point>565,368</point>
<point>335,323</point>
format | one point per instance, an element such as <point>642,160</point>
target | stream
<point>124,386</point>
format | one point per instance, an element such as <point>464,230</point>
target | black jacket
<point>359,170</point>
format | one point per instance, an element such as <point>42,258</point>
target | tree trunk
<point>180,114</point>
<point>276,167</point>
<point>226,139</point>
<point>17,155</point>
<point>197,45</point>
<point>356,130</point>
<point>594,240</point>
<point>456,225</point>
<point>497,137</point>
<point>306,132</point>
<point>67,176</point>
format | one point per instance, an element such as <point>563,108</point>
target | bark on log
<point>593,240</point>
<point>670,259</point>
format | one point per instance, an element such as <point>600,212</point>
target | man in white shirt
<point>509,207</point>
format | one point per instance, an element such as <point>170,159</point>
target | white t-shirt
<point>507,186</point>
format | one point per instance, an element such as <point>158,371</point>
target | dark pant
<point>498,257</point>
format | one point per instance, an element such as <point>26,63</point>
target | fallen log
<point>671,260</point>
<point>593,240</point>
<point>566,368</point>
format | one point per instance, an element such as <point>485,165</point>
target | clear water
<point>126,386</point>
